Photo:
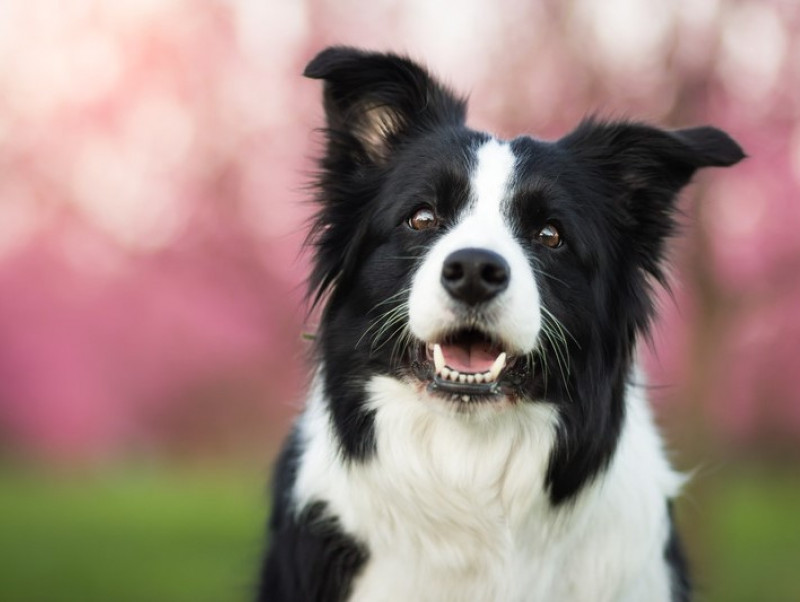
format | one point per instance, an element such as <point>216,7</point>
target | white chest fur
<point>452,507</point>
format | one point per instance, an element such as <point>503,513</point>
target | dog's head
<point>485,272</point>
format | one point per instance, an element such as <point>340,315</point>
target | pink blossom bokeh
<point>154,158</point>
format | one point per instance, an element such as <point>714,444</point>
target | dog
<point>476,428</point>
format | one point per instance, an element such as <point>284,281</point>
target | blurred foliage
<point>173,537</point>
<point>149,251</point>
<point>155,537</point>
<point>742,527</point>
<point>153,158</point>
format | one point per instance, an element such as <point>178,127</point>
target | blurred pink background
<point>153,163</point>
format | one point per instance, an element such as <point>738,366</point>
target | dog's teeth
<point>444,373</point>
<point>470,378</point>
<point>497,367</point>
<point>438,359</point>
<point>479,377</point>
<point>462,378</point>
<point>465,398</point>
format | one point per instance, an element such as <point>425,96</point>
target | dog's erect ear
<point>643,168</point>
<point>375,100</point>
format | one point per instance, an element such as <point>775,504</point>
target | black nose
<point>474,275</point>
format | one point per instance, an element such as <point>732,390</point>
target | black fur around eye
<point>549,236</point>
<point>423,219</point>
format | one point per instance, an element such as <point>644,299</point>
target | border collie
<point>474,430</point>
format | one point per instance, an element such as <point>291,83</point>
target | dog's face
<point>486,273</point>
<point>473,300</point>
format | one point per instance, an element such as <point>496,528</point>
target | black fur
<point>310,559</point>
<point>394,137</point>
<point>352,228</point>
<point>615,184</point>
<point>676,560</point>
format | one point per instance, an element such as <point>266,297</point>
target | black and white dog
<point>473,431</point>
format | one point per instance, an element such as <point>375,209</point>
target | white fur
<point>452,506</point>
<point>514,315</point>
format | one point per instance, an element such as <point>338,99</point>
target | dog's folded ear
<point>643,168</point>
<point>708,147</point>
<point>642,156</point>
<point>374,100</point>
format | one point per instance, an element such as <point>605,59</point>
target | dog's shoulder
<point>310,557</point>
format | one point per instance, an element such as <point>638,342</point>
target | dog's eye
<point>549,237</point>
<point>423,219</point>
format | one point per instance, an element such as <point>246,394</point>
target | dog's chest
<point>451,509</point>
<point>477,551</point>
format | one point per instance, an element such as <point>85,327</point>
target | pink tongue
<point>475,357</point>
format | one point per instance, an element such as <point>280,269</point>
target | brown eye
<point>549,236</point>
<point>422,219</point>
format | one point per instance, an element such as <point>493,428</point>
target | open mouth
<point>469,364</point>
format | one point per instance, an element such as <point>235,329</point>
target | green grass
<point>135,538</point>
<point>152,537</point>
<point>748,526</point>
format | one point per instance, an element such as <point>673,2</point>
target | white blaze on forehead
<point>514,314</point>
<point>492,178</point>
